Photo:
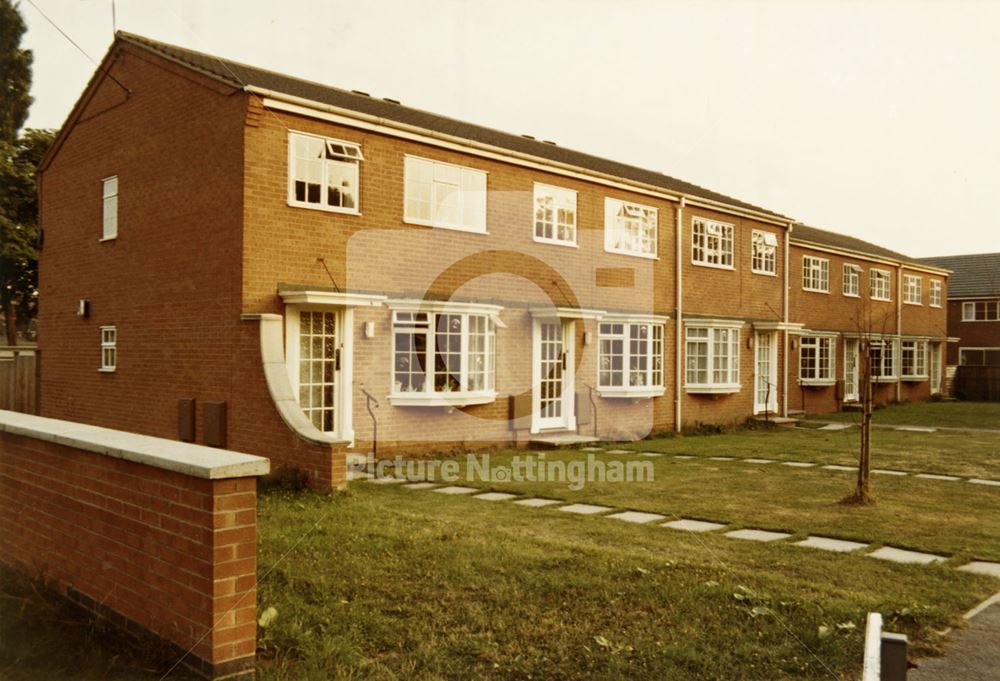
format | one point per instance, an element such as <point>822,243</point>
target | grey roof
<point>824,237</point>
<point>974,275</point>
<point>240,75</point>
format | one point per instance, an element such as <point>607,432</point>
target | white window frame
<point>852,280</point>
<point>825,347</point>
<point>563,201</point>
<point>962,351</point>
<point>764,253</point>
<point>468,186</point>
<point>342,152</point>
<point>876,278</point>
<point>881,376</point>
<point>109,349</point>
<point>815,274</point>
<point>625,228</point>
<point>934,294</point>
<point>406,316</point>
<point>710,339</point>
<point>912,289</point>
<point>109,208</point>
<point>919,360</point>
<point>969,311</point>
<point>652,375</point>
<point>713,243</point>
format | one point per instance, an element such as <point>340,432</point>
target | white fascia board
<point>639,318</point>
<point>778,326</point>
<point>416,305</point>
<point>299,297</point>
<point>305,107</point>
<point>566,313</point>
<point>715,323</point>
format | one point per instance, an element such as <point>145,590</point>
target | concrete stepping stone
<point>455,489</point>
<point>798,464</point>
<point>982,567</point>
<point>650,454</point>
<point>980,481</point>
<point>591,449</point>
<point>761,461</point>
<point>683,457</point>
<point>537,502</point>
<point>836,426</point>
<point>886,471</point>
<point>757,535</point>
<point>419,485</point>
<point>619,451</point>
<point>837,467</point>
<point>720,458</point>
<point>585,509</point>
<point>495,496</point>
<point>830,544</point>
<point>904,556</point>
<point>636,516</point>
<point>385,481</point>
<point>688,525</point>
<point>936,476</point>
<point>916,429</point>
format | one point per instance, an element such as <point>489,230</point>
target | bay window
<point>816,360</point>
<point>630,358</point>
<point>881,358</point>
<point>913,359</point>
<point>712,358</point>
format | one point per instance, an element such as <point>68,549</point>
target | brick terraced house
<point>234,256</point>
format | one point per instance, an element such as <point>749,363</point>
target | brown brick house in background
<point>258,256</point>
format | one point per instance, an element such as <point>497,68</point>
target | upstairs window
<point>979,356</point>
<point>816,360</point>
<point>444,195</point>
<point>323,173</point>
<point>764,257</point>
<point>852,280</point>
<point>555,215</point>
<point>935,293</point>
<point>629,228</point>
<point>913,354</point>
<point>711,243</point>
<point>880,284</point>
<point>815,274</point>
<point>981,311</point>
<point>109,348</point>
<point>630,359</point>
<point>912,293</point>
<point>712,356</point>
<point>881,357</point>
<point>110,208</point>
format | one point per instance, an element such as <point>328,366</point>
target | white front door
<point>766,373</point>
<point>851,392</point>
<point>934,349</point>
<point>552,375</point>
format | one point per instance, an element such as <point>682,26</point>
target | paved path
<point>973,654</point>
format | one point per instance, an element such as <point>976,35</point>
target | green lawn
<point>941,414</point>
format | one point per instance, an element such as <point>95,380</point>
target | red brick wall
<point>972,334</point>
<point>173,554</point>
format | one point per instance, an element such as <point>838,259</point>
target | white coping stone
<point>636,516</point>
<point>683,456</point>
<point>761,461</point>
<point>836,426</point>
<point>887,471</point>
<point>591,449</point>
<point>904,556</point>
<point>980,481</point>
<point>650,453</point>
<point>830,544</point>
<point>385,480</point>
<point>619,451</point>
<point>585,509</point>
<point>456,489</point>
<point>757,535</point>
<point>916,429</point>
<point>836,467</point>
<point>693,525</point>
<point>537,502</point>
<point>495,496</point>
<point>720,458</point>
<point>419,485</point>
<point>798,464</point>
<point>982,567</point>
<point>186,458</point>
<point>936,476</point>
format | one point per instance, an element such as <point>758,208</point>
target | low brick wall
<point>155,535</point>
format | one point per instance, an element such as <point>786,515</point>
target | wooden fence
<point>19,378</point>
<point>981,383</point>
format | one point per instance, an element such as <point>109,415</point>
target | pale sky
<point>878,118</point>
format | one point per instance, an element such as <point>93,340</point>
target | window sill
<point>631,393</point>
<point>555,242</point>
<point>107,238</point>
<point>936,307</point>
<point>906,302</point>
<point>852,295</point>
<point>817,382</point>
<point>325,209</point>
<point>633,254</point>
<point>440,225</point>
<point>883,379</point>
<point>915,379</point>
<point>815,290</point>
<point>714,267</point>
<point>719,389</point>
<point>441,399</point>
<point>764,273</point>
<point>881,300</point>
<point>107,371</point>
